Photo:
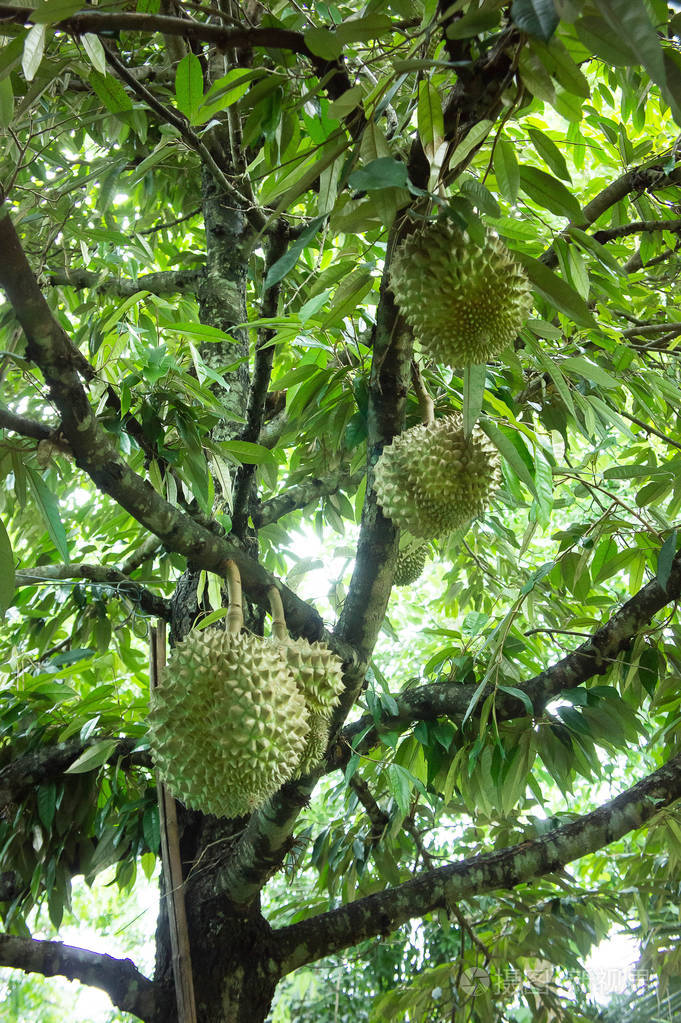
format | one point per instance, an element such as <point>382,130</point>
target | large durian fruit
<point>228,725</point>
<point>410,564</point>
<point>432,478</point>
<point>465,303</point>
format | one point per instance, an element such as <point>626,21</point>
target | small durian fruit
<point>228,724</point>
<point>410,564</point>
<point>432,479</point>
<point>315,747</point>
<point>465,303</point>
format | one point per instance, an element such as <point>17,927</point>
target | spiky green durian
<point>465,303</point>
<point>228,725</point>
<point>431,479</point>
<point>315,747</point>
<point>318,673</point>
<point>410,565</point>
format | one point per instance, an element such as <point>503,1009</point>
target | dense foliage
<point>202,361</point>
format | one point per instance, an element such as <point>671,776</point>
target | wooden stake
<point>172,863</point>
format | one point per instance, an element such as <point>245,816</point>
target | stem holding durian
<point>278,621</point>
<point>426,403</point>
<point>235,613</point>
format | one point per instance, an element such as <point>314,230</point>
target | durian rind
<point>318,673</point>
<point>228,725</point>
<point>410,565</point>
<point>315,747</point>
<point>431,479</point>
<point>465,303</point>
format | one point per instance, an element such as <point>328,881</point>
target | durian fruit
<point>465,303</point>
<point>431,479</point>
<point>318,673</point>
<point>410,565</point>
<point>228,725</point>
<point>315,747</point>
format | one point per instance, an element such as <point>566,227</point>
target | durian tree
<point>343,292</point>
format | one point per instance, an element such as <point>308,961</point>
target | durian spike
<point>426,403</point>
<point>235,614</point>
<point>278,621</point>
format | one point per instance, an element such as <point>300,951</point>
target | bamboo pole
<point>172,863</point>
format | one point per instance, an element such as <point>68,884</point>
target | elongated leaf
<point>430,119</point>
<point>475,137</point>
<point>251,454</point>
<point>536,17</point>
<point>556,291</point>
<point>384,172</point>
<point>506,169</point>
<point>473,393</point>
<point>665,560</point>
<point>629,19</point>
<point>323,43</point>
<point>549,192</point>
<point>93,757</point>
<point>34,46</point>
<point>513,450</point>
<point>54,10</point>
<point>48,508</point>
<point>598,37</point>
<point>6,570</point>
<point>519,695</point>
<point>283,266</point>
<point>550,153</point>
<point>590,371</point>
<point>95,52</point>
<point>111,92</point>
<point>189,85</point>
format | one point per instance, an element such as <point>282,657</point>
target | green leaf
<point>536,17</point>
<point>550,153</point>
<point>384,172</point>
<point>47,804</point>
<point>189,85</point>
<point>472,23</point>
<point>6,570</point>
<point>285,264</point>
<point>519,695</point>
<point>473,394</point>
<point>506,169</point>
<point>54,10</point>
<point>323,43</point>
<point>556,291</point>
<point>34,46</point>
<point>111,92</point>
<point>629,19</point>
<point>400,783</point>
<point>6,102</point>
<point>93,757</point>
<point>476,136</point>
<point>549,193</point>
<point>95,52</point>
<point>48,508</point>
<point>598,37</point>
<point>665,560</point>
<point>512,448</point>
<point>429,118</point>
<point>590,371</point>
<point>244,451</point>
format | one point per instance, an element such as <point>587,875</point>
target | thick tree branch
<point>24,773</point>
<point>302,494</point>
<point>451,699</point>
<point>165,282</point>
<point>638,179</point>
<point>127,988</point>
<point>637,227</point>
<point>31,428</point>
<point>319,936</point>
<point>51,350</point>
<point>148,601</point>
